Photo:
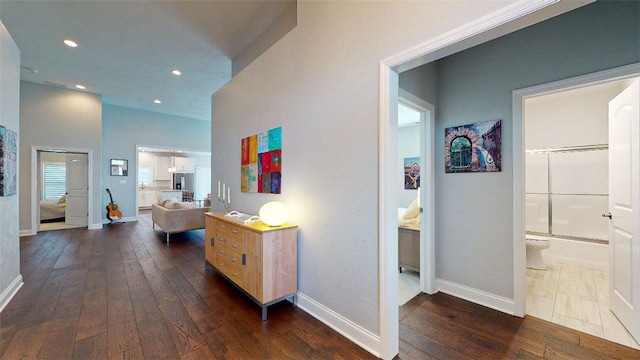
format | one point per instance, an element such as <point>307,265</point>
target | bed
<point>409,238</point>
<point>52,211</point>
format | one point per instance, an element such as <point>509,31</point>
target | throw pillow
<point>161,202</point>
<point>188,205</point>
<point>413,210</point>
<point>63,199</point>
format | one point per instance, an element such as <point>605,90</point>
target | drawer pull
<point>234,246</point>
<point>219,226</point>
<point>220,252</point>
<point>220,265</point>
<point>234,260</point>
<point>235,274</point>
<point>234,231</point>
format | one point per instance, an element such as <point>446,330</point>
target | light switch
<point>123,182</point>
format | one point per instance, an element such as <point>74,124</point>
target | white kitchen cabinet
<point>161,169</point>
<point>185,165</point>
<point>146,198</point>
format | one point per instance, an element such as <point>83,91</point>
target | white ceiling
<point>127,49</point>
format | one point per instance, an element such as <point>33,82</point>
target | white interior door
<point>77,190</point>
<point>624,203</point>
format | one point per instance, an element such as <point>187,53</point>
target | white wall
<point>10,278</point>
<point>124,128</point>
<point>59,118</point>
<point>320,83</point>
<point>408,146</point>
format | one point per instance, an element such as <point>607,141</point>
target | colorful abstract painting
<point>411,173</point>
<point>261,166</point>
<point>474,147</point>
<point>8,162</point>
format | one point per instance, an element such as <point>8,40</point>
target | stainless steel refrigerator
<point>184,182</point>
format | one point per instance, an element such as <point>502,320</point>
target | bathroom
<point>567,200</point>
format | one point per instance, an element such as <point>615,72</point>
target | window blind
<point>54,180</point>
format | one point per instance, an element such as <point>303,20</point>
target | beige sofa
<point>174,220</point>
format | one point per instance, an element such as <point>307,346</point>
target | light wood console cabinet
<point>259,259</point>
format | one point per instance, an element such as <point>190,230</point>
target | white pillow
<point>187,205</point>
<point>413,210</point>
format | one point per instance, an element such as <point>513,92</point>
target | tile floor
<point>408,286</point>
<point>575,297</point>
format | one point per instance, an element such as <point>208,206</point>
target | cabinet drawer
<point>232,242</point>
<point>224,263</point>
<point>229,229</point>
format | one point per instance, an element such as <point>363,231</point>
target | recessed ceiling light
<point>176,72</point>
<point>81,87</point>
<point>70,43</point>
<point>157,101</point>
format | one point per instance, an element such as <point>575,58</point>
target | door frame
<point>509,19</point>
<point>427,184</point>
<point>35,201</point>
<point>519,96</point>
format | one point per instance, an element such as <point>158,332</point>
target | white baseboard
<point>10,291</point>
<point>477,296</point>
<point>27,232</point>
<point>95,226</point>
<point>347,328</point>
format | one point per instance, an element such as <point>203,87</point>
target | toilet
<point>534,252</point>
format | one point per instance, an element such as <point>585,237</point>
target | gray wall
<point>476,85</point>
<point>10,277</point>
<point>124,128</point>
<point>320,83</point>
<point>422,82</point>
<point>59,118</point>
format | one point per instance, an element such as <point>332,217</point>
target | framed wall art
<point>8,161</point>
<point>261,162</point>
<point>411,173</point>
<point>119,167</point>
<point>473,148</point>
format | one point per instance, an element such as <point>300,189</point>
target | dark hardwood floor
<point>122,293</point>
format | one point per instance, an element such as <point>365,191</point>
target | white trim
<point>345,327</point>
<point>519,95</point>
<point>388,214</point>
<point>464,37</point>
<point>483,298</point>
<point>26,232</point>
<point>35,208</point>
<point>427,184</point>
<point>10,291</point>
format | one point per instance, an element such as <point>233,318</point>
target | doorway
<point>573,290</point>
<point>415,196</point>
<point>60,190</point>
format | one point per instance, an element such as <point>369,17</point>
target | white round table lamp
<point>274,213</point>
